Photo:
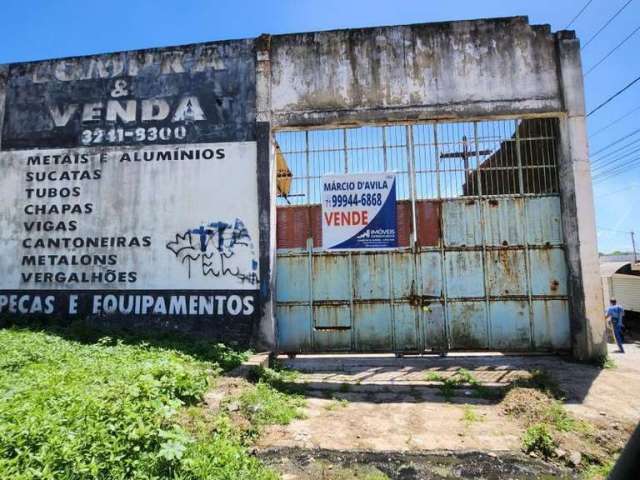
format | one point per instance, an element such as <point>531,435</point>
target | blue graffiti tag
<point>220,248</point>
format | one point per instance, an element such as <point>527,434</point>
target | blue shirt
<point>615,312</point>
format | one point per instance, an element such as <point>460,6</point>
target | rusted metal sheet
<point>428,223</point>
<point>551,324</point>
<point>373,326</point>
<point>370,276</point>
<point>403,218</point>
<point>331,280</point>
<point>332,316</point>
<point>461,220</point>
<point>435,337</point>
<point>506,273</point>
<point>548,271</point>
<point>510,329</point>
<point>503,220</point>
<point>465,275</point>
<point>430,274</point>
<point>406,328</point>
<point>544,224</point>
<point>292,279</point>
<point>294,328</point>
<point>295,224</point>
<point>292,229</point>
<point>468,325</point>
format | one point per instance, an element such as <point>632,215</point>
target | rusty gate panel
<point>293,278</point>
<point>429,274</point>
<point>548,271</point>
<point>544,226</point>
<point>435,335</point>
<point>373,329</point>
<point>294,328</point>
<point>468,325</point>
<point>465,274</point>
<point>510,327</point>
<point>406,334</point>
<point>506,273</point>
<point>331,278</point>
<point>551,326</point>
<point>503,220</point>
<point>461,223</point>
<point>370,276</point>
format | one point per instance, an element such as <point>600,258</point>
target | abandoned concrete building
<point>194,188</point>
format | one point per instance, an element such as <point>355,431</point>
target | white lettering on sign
<point>147,218</point>
<point>359,211</point>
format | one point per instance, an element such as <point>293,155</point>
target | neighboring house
<point>621,280</point>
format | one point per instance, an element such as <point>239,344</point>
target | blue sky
<point>39,29</point>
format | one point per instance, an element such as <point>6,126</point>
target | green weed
<point>537,438</point>
<point>469,415</point>
<point>112,409</point>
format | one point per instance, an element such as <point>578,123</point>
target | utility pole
<point>633,244</point>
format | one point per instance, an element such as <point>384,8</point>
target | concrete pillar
<point>588,328</point>
<point>265,333</point>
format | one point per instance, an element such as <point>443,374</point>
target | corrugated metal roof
<point>609,268</point>
<point>626,289</point>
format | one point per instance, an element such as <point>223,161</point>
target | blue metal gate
<point>481,264</point>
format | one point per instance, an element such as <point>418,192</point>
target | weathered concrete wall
<point>426,71</point>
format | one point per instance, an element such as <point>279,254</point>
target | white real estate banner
<point>359,211</point>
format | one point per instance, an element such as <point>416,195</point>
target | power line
<point>578,14</point>
<point>615,160</point>
<point>614,122</point>
<point>614,96</point>
<point>617,191</point>
<point>606,147</point>
<point>594,36</point>
<point>608,174</point>
<point>613,152</point>
<point>612,230</point>
<point>612,50</point>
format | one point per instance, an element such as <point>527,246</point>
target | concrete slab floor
<point>391,418</point>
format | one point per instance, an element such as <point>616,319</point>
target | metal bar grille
<point>445,160</point>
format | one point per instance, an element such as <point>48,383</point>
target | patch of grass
<point>608,363</point>
<point>111,409</point>
<point>264,405</point>
<point>469,415</point>
<point>433,377</point>
<point>538,439</point>
<point>336,403</point>
<point>597,472</point>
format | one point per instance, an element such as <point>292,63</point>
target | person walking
<point>614,314</point>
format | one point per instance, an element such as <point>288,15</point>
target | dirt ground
<point>375,404</point>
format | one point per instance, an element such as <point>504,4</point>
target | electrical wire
<point>595,35</point>
<point>614,122</point>
<point>606,147</point>
<point>617,191</point>
<point>612,50</point>
<point>578,14</point>
<point>601,158</point>
<point>608,174</point>
<point>600,166</point>
<point>627,86</point>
